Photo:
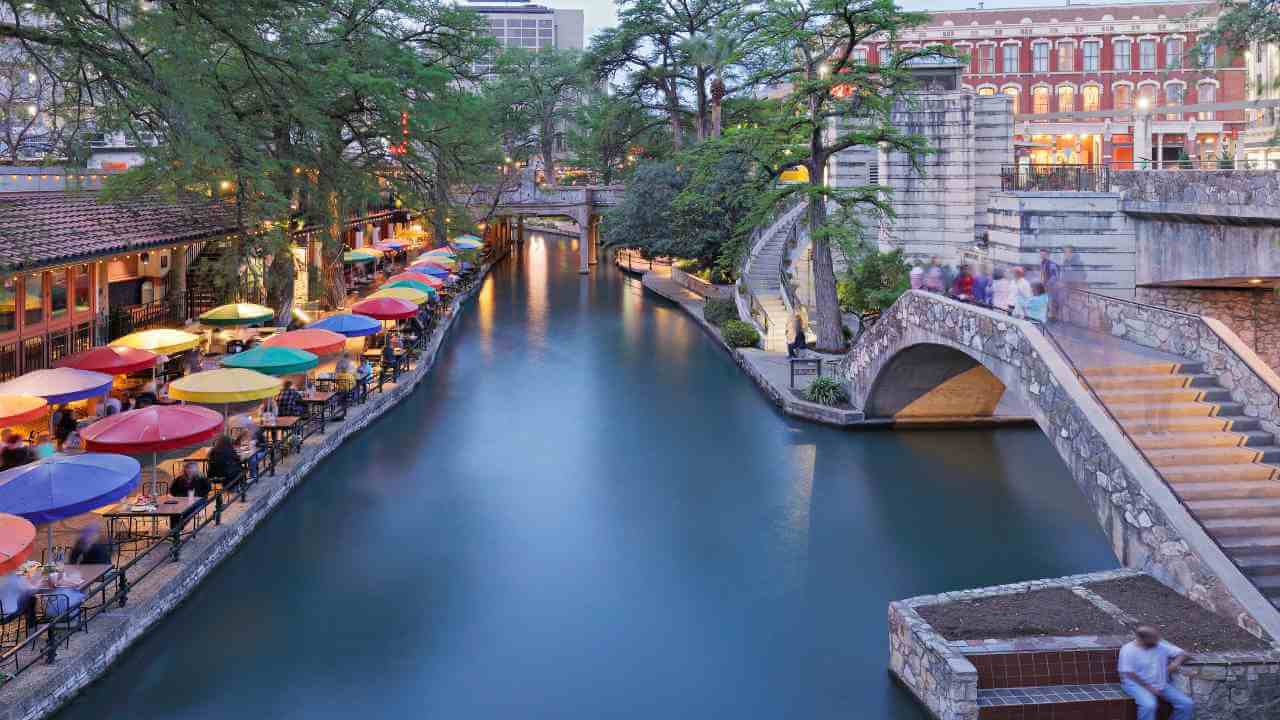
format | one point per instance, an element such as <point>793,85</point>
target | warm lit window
<point>1122,96</point>
<point>82,289</point>
<point>1123,50</point>
<point>1174,94</point>
<point>1206,93</point>
<point>1147,54</point>
<point>1066,98</point>
<point>1090,98</point>
<point>9,305</point>
<point>1010,60</point>
<point>1066,57</point>
<point>1148,93</point>
<point>58,294</point>
<point>1040,100</point>
<point>1173,53</point>
<point>1013,93</point>
<point>1092,50</point>
<point>33,304</point>
<point>987,59</point>
<point>987,91</point>
<point>1040,57</point>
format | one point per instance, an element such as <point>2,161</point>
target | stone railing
<point>695,284</point>
<point>1237,194</point>
<point>749,307</point>
<point>1148,527</point>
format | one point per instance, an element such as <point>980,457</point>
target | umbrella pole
<point>49,547</point>
<point>155,471</point>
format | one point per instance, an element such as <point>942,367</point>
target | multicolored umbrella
<point>312,340</point>
<point>431,269</point>
<point>153,429</point>
<point>17,534</point>
<point>348,325</point>
<point>119,360</point>
<point>417,297</point>
<point>18,409</point>
<point>440,251</point>
<point>272,360</point>
<point>237,314</point>
<point>441,260</point>
<point>160,341</point>
<point>389,245</point>
<point>356,256</point>
<point>59,385</point>
<point>385,308</point>
<point>423,278</point>
<point>64,486</point>
<point>224,386</point>
<point>467,242</point>
<point>412,285</point>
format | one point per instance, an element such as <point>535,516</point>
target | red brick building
<point>1091,58</point>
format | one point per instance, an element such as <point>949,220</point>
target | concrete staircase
<point>764,277</point>
<point>1219,462</point>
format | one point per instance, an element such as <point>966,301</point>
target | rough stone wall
<point>1254,315</point>
<point>1148,528</point>
<point>700,286</point>
<point>1223,354</point>
<point>1093,223</point>
<point>1251,192</point>
<point>1174,249</point>
<point>942,679</point>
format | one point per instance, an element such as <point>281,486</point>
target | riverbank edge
<point>785,401</point>
<point>49,694</point>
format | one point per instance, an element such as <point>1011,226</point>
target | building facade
<point>521,24</point>
<point>1092,59</point>
<point>1259,146</point>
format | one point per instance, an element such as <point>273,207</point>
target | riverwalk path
<point>44,688</point>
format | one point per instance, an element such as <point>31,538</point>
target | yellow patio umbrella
<point>160,341</point>
<point>233,314</point>
<point>417,297</point>
<point>224,386</point>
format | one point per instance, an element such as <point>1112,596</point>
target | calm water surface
<point>587,511</point>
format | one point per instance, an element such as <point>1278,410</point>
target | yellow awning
<point>224,386</point>
<point>161,341</point>
<point>414,296</point>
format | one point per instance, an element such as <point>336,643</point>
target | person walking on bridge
<point>1145,665</point>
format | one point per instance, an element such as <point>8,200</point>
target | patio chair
<point>16,622</point>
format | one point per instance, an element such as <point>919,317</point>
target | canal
<point>587,511</point>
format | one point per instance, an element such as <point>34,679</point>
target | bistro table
<point>320,404</point>
<point>281,433</point>
<point>124,524</point>
<point>58,597</point>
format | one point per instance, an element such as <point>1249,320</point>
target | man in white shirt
<point>1145,664</point>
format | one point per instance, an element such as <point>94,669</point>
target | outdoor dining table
<point>89,574</point>
<point>124,523</point>
<point>320,406</point>
<point>281,433</point>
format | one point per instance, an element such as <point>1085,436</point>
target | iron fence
<point>1055,178</point>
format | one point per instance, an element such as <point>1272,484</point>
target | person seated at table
<point>17,600</point>
<point>389,353</point>
<point>74,443</point>
<point>344,373</point>
<point>245,439</point>
<point>110,406</point>
<point>224,461</point>
<point>289,402</point>
<point>14,452</point>
<point>191,483</point>
<point>146,396</point>
<point>62,424</point>
<point>89,548</point>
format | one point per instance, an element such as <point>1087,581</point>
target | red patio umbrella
<point>18,409</point>
<point>315,341</point>
<point>152,429</point>
<point>385,308</point>
<point>16,536</point>
<point>434,282</point>
<point>111,360</point>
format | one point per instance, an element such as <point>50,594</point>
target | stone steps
<point>1170,440</point>
<point>1164,395</point>
<point>1158,411</point>
<point>765,281</point>
<point>1191,425</point>
<point>1225,490</point>
<point>1135,382</point>
<point>1155,368</point>
<point>1260,508</point>
<point>1186,456</point>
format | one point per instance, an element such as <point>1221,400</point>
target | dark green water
<point>588,512</point>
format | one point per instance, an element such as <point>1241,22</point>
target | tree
<point>874,281</point>
<point>605,131</point>
<point>711,216</point>
<point>544,87</point>
<point>716,52</point>
<point>39,118</point>
<point>832,102</point>
<point>642,220</point>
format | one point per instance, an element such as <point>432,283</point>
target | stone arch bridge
<point>929,356</point>
<point>583,205</point>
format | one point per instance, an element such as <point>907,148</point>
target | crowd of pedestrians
<point>1008,290</point>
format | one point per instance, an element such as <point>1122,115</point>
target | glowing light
<point>1144,103</point>
<point>1255,281</point>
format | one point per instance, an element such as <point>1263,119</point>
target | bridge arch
<point>934,380</point>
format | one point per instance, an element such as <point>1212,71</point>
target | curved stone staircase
<point>764,277</point>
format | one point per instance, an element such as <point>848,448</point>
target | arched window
<point>1066,98</point>
<point>1122,96</point>
<point>1174,94</point>
<point>1090,98</point>
<point>987,91</point>
<point>1206,92</point>
<point>1040,100</point>
<point>1012,91</point>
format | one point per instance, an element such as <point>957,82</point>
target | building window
<point>1090,98</point>
<point>1148,93</point>
<point>9,305</point>
<point>1040,57</point>
<point>1173,53</point>
<point>1066,57</point>
<point>886,55</point>
<point>58,294</point>
<point>1013,93</point>
<point>1122,96</point>
<point>1174,94</point>
<point>1146,54</point>
<point>860,56</point>
<point>1010,60</point>
<point>1123,50</point>
<point>82,289</point>
<point>1208,54</point>
<point>1066,98</point>
<point>987,59</point>
<point>1040,100</point>
<point>1206,93</point>
<point>33,303</point>
<point>1091,52</point>
<point>987,91</point>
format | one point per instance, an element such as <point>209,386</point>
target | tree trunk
<point>549,158</point>
<point>335,286</point>
<point>673,110</point>
<point>702,105</point>
<point>829,326</point>
<point>717,105</point>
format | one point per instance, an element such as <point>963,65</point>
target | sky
<point>601,14</point>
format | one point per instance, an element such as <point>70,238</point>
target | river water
<point>587,511</point>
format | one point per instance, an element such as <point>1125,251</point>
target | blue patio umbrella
<point>59,385</point>
<point>432,270</point>
<point>64,486</point>
<point>349,324</point>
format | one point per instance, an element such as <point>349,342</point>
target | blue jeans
<point>1183,708</point>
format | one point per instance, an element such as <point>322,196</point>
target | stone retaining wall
<point>1148,527</point>
<point>697,285</point>
<point>43,689</point>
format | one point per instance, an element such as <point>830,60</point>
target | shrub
<point>826,391</point>
<point>739,334</point>
<point>718,311</point>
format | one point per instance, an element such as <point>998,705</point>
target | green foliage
<point>826,391</point>
<point>875,282</point>
<point>710,214</point>
<point>718,312</point>
<point>540,89</point>
<point>642,219</point>
<point>609,131</point>
<point>739,334</point>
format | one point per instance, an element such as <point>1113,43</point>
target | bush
<point>826,391</point>
<point>717,311</point>
<point>739,334</point>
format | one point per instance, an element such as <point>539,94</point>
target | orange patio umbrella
<point>18,409</point>
<point>16,537</point>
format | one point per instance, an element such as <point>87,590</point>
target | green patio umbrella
<point>272,360</point>
<point>355,256</point>
<point>414,284</point>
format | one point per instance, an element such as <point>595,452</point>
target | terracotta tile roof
<point>46,228</point>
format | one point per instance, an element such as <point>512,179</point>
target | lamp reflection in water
<point>536,281</point>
